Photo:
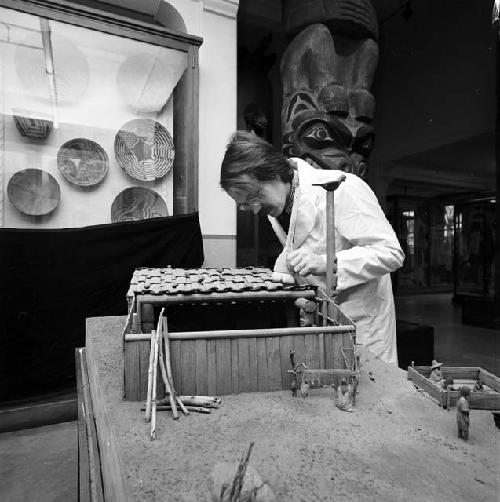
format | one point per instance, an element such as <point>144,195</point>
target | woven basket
<point>137,203</point>
<point>146,81</point>
<point>31,127</point>
<point>82,162</point>
<point>72,68</point>
<point>144,149</point>
<point>34,192</point>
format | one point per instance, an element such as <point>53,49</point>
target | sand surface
<point>397,445</point>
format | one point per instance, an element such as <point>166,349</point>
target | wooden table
<point>397,445</point>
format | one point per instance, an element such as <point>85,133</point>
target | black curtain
<point>52,280</point>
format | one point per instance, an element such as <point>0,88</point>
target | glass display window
<point>99,117</point>
<point>475,231</point>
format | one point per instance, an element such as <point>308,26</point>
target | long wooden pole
<point>247,333</point>
<point>147,416</point>
<point>167,407</point>
<point>228,296</point>
<point>168,388</point>
<point>166,339</point>
<point>153,396</point>
<point>331,275</point>
<point>163,369</point>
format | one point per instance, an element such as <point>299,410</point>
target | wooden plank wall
<point>136,362</point>
<point>223,366</point>
<point>110,458</point>
<point>425,384</point>
<point>230,366</point>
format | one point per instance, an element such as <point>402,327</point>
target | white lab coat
<point>367,251</point>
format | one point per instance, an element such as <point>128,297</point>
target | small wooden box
<point>488,399</point>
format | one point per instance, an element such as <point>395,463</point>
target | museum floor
<point>41,464</point>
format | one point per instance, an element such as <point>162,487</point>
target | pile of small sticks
<point>197,404</point>
<point>158,358</point>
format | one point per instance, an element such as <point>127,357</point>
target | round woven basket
<point>72,68</point>
<point>144,149</point>
<point>137,203</point>
<point>34,192</point>
<point>82,162</point>
<point>146,81</point>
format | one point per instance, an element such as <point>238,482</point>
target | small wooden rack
<point>487,399</point>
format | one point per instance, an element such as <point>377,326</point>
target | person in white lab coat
<point>260,179</point>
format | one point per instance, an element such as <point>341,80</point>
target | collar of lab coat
<point>305,207</point>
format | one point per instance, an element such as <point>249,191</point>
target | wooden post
<point>331,276</point>
<point>496,292</point>
<point>147,416</point>
<point>331,260</point>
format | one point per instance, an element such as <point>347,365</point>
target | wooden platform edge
<point>111,461</point>
<point>489,379</point>
<point>89,465</point>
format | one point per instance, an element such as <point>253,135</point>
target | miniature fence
<point>478,399</point>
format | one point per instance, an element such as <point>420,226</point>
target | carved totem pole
<point>327,71</point>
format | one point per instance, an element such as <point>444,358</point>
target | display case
<point>474,253</point>
<point>425,230</point>
<point>99,116</point>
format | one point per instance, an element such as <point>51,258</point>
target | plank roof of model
<point>173,281</point>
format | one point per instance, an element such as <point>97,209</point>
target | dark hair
<point>464,391</point>
<point>248,154</point>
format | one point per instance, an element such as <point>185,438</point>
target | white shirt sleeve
<point>360,220</point>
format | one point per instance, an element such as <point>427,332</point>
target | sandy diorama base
<point>396,445</point>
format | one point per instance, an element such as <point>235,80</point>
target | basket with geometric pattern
<point>144,149</point>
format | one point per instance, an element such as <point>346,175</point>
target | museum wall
<point>217,123</point>
<point>215,22</point>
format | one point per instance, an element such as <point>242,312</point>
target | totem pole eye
<point>318,136</point>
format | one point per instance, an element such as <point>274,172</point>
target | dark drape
<point>52,280</point>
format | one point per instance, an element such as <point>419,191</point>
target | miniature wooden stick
<point>167,407</point>
<point>169,368</point>
<point>168,387</point>
<point>147,416</point>
<point>207,401</point>
<point>196,402</point>
<point>153,397</point>
<point>232,492</point>
<point>163,370</point>
<point>170,397</point>
<point>181,404</point>
<point>167,350</point>
<point>192,401</point>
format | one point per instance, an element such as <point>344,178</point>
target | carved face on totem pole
<point>327,71</point>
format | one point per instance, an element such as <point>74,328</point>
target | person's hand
<point>306,263</point>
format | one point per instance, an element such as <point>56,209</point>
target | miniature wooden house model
<point>232,330</point>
